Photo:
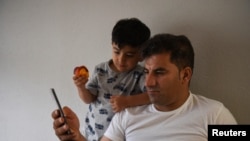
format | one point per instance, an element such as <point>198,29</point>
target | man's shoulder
<point>206,101</point>
<point>214,109</point>
<point>138,109</point>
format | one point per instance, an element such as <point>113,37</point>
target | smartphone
<point>59,106</point>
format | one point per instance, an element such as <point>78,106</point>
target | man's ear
<point>186,74</point>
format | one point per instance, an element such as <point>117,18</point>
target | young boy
<point>118,83</point>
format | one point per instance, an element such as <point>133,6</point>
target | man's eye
<point>160,72</point>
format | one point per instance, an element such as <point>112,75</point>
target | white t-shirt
<point>189,122</point>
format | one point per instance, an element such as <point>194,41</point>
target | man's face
<point>163,82</point>
<point>124,59</point>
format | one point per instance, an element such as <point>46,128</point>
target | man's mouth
<point>153,91</point>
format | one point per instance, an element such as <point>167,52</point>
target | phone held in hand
<point>59,106</point>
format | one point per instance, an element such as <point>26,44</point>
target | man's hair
<point>130,31</point>
<point>179,47</point>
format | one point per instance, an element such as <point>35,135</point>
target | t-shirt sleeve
<point>92,84</point>
<point>225,116</point>
<point>141,81</point>
<point>116,128</point>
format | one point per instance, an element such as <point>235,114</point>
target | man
<point>175,113</point>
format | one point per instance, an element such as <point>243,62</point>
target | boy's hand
<point>80,81</point>
<point>119,102</point>
<point>73,125</point>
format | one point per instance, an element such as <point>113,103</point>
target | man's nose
<point>150,80</point>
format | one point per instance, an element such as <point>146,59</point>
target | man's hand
<point>69,131</point>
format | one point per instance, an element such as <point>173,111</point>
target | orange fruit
<point>81,71</point>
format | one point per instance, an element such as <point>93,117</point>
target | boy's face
<point>124,59</point>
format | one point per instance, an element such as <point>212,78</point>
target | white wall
<point>41,41</point>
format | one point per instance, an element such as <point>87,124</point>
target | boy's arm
<point>137,100</point>
<point>86,95</point>
<point>120,102</point>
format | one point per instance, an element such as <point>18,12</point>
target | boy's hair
<point>130,31</point>
<point>179,47</point>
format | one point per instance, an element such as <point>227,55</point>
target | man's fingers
<point>62,133</point>
<point>58,123</point>
<point>55,114</point>
<point>68,111</point>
